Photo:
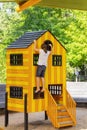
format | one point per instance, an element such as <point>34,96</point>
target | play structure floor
<point>36,121</point>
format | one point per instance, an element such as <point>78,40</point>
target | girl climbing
<point>44,52</point>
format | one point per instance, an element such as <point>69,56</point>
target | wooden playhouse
<point>20,87</point>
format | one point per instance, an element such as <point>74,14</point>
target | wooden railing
<point>52,110</point>
<point>71,107</point>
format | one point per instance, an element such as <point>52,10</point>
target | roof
<point>27,39</point>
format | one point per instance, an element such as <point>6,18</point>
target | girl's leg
<point>37,84</point>
<point>43,84</point>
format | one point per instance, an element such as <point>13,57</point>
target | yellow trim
<point>18,75</point>
<point>17,83</point>
<point>27,4</point>
<point>24,60</point>
<point>16,51</point>
<point>18,68</point>
<point>71,107</point>
<point>69,4</point>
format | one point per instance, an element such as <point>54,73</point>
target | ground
<point>36,121</point>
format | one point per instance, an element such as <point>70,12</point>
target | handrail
<point>52,109</point>
<point>51,98</point>
<point>71,106</point>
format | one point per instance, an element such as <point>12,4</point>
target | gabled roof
<point>25,40</point>
<point>28,38</point>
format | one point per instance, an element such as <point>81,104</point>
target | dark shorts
<point>40,71</point>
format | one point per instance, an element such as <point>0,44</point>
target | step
<point>62,113</point>
<point>63,118</point>
<point>61,110</point>
<point>60,107</point>
<point>65,124</point>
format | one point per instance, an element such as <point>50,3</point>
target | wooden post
<point>25,113</point>
<point>6,110</point>
<point>46,117</point>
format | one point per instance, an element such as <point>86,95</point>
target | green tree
<point>10,22</point>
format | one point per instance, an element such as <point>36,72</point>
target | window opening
<point>55,89</point>
<point>57,60</point>
<point>35,59</point>
<point>16,92</point>
<point>16,59</point>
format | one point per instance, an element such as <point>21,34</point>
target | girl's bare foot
<point>37,90</point>
<point>42,90</point>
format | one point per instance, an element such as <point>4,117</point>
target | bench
<point>2,95</point>
<point>78,90</point>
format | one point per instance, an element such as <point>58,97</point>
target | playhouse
<point>21,85</point>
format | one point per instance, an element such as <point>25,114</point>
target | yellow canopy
<point>70,4</point>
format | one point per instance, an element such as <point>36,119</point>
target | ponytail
<point>44,47</point>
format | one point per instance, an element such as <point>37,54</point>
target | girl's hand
<point>35,46</point>
<point>35,41</point>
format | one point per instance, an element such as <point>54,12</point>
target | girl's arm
<point>35,46</point>
<point>51,48</point>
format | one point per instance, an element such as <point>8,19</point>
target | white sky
<point>1,5</point>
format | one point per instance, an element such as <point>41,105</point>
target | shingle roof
<point>28,38</point>
<point>25,40</point>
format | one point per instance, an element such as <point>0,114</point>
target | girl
<point>44,52</point>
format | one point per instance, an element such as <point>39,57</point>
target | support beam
<point>25,113</point>
<point>46,117</point>
<point>27,4</point>
<point>6,110</point>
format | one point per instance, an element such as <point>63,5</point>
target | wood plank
<point>70,4</point>
<point>64,118</point>
<point>64,124</point>
<point>18,68</point>
<point>62,113</point>
<point>18,83</point>
<point>27,4</point>
<point>9,71</point>
<point>61,107</point>
<point>17,79</point>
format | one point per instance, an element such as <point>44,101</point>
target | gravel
<point>36,121</point>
